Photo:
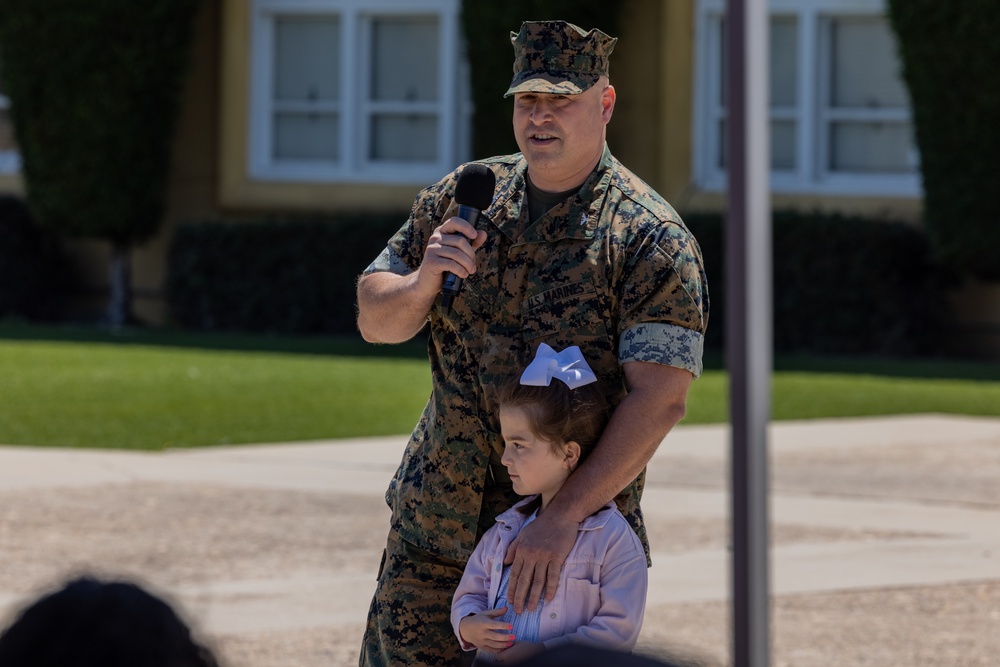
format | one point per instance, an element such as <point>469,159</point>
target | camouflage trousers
<point>409,621</point>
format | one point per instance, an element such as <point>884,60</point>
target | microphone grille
<point>475,186</point>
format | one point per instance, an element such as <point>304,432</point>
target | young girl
<point>550,420</point>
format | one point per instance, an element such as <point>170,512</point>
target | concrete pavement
<point>860,507</point>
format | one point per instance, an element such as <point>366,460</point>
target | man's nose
<point>540,111</point>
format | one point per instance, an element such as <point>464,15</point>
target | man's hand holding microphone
<point>455,242</point>
<point>393,308</point>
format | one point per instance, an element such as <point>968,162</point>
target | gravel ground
<point>168,537</point>
<point>172,537</point>
<point>176,538</point>
<point>954,625</point>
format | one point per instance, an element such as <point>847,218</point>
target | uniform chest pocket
<point>565,315</point>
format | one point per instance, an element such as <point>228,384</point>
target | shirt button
<point>506,527</point>
<point>498,567</point>
<point>552,615</point>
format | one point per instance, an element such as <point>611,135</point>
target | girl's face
<point>533,463</point>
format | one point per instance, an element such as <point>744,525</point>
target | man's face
<point>562,136</point>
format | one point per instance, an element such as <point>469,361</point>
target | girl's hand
<point>483,631</point>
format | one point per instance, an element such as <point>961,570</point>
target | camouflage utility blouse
<point>611,269</point>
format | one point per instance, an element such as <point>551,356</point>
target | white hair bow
<point>568,366</point>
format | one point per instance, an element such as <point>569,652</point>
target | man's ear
<point>571,455</point>
<point>608,97</point>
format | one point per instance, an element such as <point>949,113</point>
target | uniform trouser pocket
<point>409,621</point>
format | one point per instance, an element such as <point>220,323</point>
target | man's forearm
<point>623,452</point>
<point>637,427</point>
<point>392,308</point>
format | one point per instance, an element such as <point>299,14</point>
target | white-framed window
<point>357,90</point>
<point>10,158</point>
<point>840,116</point>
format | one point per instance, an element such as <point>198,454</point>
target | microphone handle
<point>453,284</point>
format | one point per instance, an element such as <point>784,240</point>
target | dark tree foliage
<point>95,92</point>
<point>950,53</point>
<point>487,27</point>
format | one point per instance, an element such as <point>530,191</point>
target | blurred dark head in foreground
<point>90,623</point>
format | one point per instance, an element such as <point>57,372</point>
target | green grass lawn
<point>152,390</point>
<point>157,391</point>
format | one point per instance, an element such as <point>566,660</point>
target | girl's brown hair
<point>559,414</point>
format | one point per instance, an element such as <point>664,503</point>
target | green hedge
<point>842,285</point>
<point>949,51</point>
<point>33,271</point>
<point>95,92</point>
<point>290,276</point>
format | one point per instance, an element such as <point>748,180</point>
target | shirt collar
<point>575,218</point>
<point>514,515</point>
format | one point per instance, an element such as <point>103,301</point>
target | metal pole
<point>749,329</point>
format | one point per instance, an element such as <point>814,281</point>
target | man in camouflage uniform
<point>574,250</point>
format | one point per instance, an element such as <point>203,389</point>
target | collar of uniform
<point>576,218</point>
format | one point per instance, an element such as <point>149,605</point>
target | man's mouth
<point>543,138</point>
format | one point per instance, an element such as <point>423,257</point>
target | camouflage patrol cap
<point>558,57</point>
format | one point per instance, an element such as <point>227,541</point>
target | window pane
<point>306,137</point>
<point>865,64</point>
<point>409,138</point>
<point>405,59</point>
<point>783,145</point>
<point>307,56</point>
<point>872,147</point>
<point>722,158</point>
<point>784,61</point>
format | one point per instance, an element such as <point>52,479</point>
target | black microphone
<point>473,193</point>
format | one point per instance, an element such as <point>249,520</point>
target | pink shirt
<point>602,588</point>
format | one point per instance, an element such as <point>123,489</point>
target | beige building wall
<point>191,190</point>
<point>634,131</point>
<point>650,69</point>
<point>11,184</point>
<point>651,132</point>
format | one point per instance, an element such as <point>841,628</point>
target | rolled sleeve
<point>665,303</point>
<point>388,260</point>
<point>666,344</point>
